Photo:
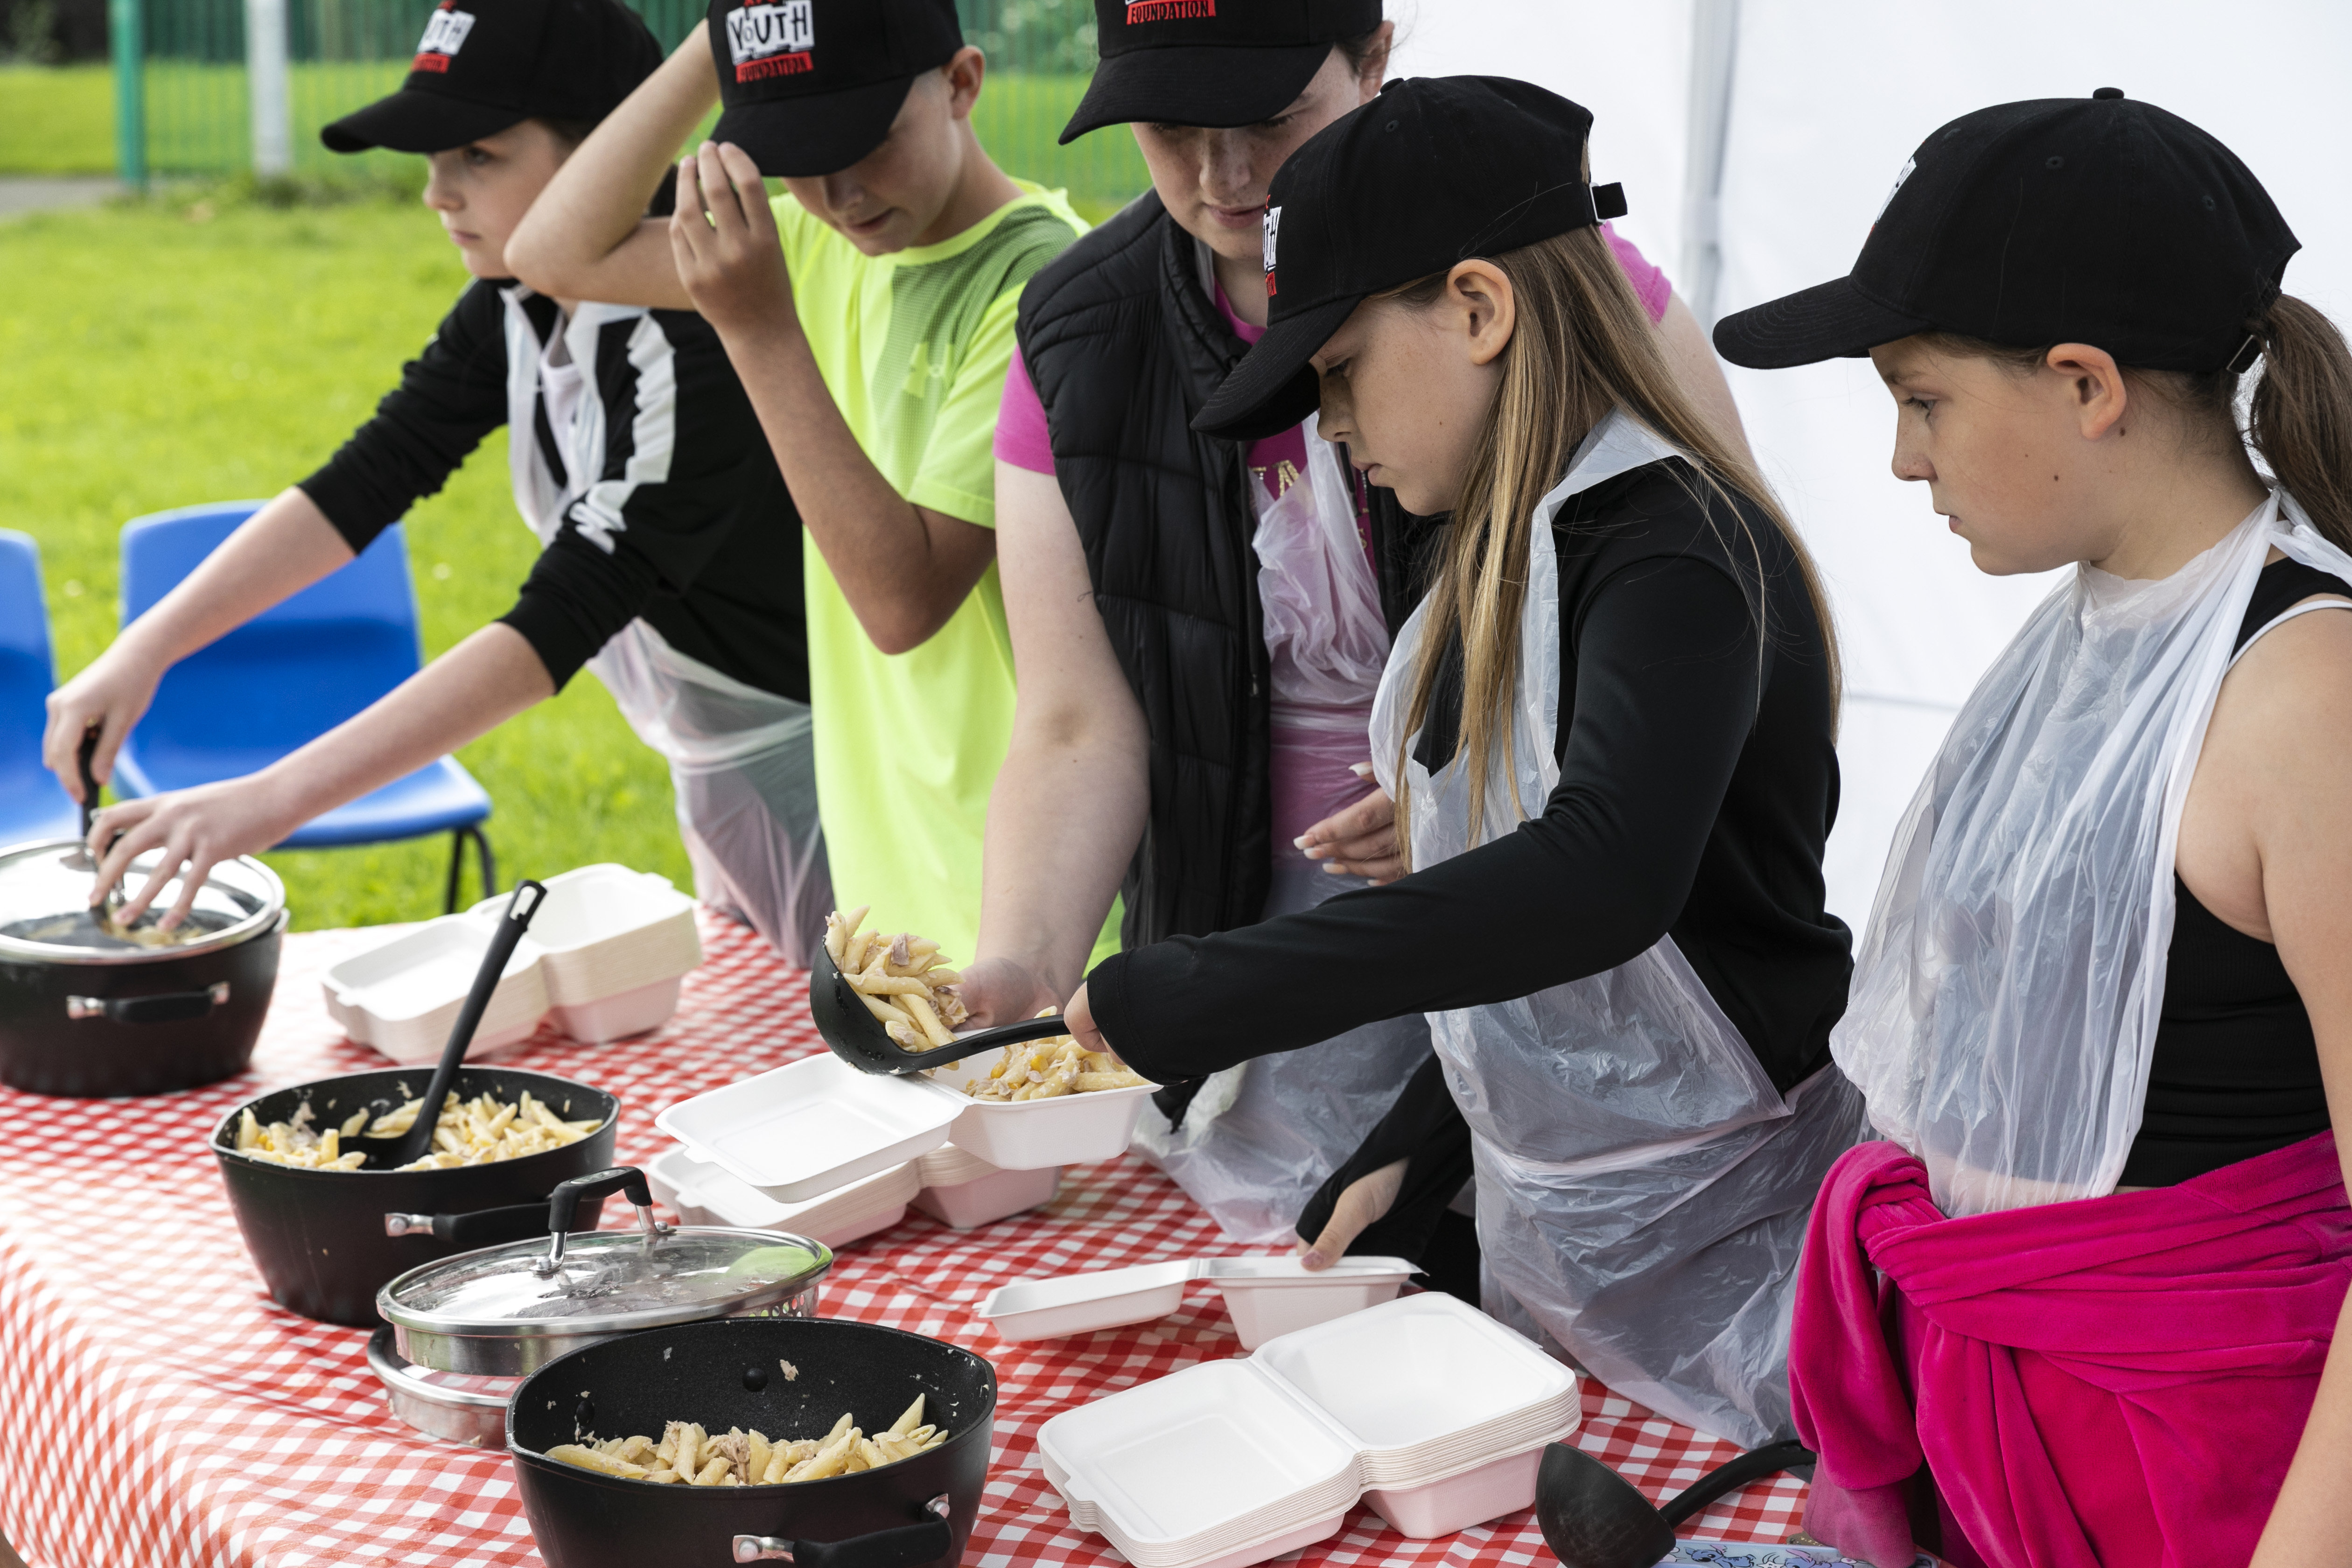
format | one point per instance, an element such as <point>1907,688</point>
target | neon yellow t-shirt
<point>914,348</point>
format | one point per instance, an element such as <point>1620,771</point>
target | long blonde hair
<point>1580,345</point>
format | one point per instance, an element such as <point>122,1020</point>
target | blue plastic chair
<point>33,804</point>
<point>286,678</point>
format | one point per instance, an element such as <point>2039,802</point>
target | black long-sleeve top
<point>682,518</point>
<point>1698,782</point>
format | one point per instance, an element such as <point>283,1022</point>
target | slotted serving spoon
<point>412,1144</point>
<point>1594,1518</point>
<point>858,1037</point>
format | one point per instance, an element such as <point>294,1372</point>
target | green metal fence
<point>183,107</point>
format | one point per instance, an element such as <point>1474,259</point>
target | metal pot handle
<point>901,1548</point>
<point>484,1227</point>
<point>170,1008</point>
<point>564,1200</point>
<point>480,1227</point>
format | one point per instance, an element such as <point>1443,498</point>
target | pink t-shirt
<point>1022,439</point>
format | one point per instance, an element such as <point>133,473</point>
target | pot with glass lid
<point>462,1332</point>
<point>507,1310</point>
<point>90,1007</point>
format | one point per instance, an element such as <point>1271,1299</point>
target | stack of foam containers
<point>804,1129</point>
<point>1428,1410</point>
<point>605,955</point>
<point>963,1190</point>
<point>617,945</point>
<point>704,1194</point>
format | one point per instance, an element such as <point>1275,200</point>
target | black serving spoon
<point>115,895</point>
<point>89,780</point>
<point>419,1138</point>
<point>858,1037</point>
<point>1594,1518</point>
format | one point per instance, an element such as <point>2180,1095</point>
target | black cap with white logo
<point>485,64</point>
<point>1434,171</point>
<point>809,87</point>
<point>1211,62</point>
<point>2096,220</point>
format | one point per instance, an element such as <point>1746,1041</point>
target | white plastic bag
<point>1326,638</point>
<point>1260,1138</point>
<point>2007,994</point>
<point>1643,1190</point>
<point>744,768</point>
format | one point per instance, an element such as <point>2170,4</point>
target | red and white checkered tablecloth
<point>158,1408</point>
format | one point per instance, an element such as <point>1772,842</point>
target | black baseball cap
<point>811,85</point>
<point>1434,171</point>
<point>1184,62</point>
<point>485,64</point>
<point>2099,220</point>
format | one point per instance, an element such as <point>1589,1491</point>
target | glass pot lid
<point>605,1281</point>
<point>45,914</point>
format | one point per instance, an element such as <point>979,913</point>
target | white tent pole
<point>265,74</point>
<point>1715,47</point>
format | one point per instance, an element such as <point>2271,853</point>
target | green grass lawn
<point>156,359</point>
<point>56,119</point>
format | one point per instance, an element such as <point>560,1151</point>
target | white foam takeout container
<point>818,1123</point>
<point>1266,1297</point>
<point>964,1190</point>
<point>606,951</point>
<point>704,1194</point>
<point>1431,1411</point>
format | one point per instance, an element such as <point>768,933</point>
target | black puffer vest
<point>1125,347</point>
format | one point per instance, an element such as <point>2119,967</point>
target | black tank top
<point>2236,1071</point>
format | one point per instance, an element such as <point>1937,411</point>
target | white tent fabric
<point>1827,100</point>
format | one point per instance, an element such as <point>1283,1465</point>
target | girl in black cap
<point>1607,730</point>
<point>2096,1282</point>
<point>1200,623</point>
<point>671,553</point>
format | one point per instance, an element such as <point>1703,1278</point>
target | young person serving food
<point>670,558</point>
<point>1200,622</point>
<point>869,312</point>
<point>1607,730</point>
<point>2091,1294</point>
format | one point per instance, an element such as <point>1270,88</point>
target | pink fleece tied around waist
<point>2120,1380</point>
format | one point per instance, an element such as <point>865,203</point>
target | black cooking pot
<point>327,1241</point>
<point>917,1513</point>
<point>88,1010</point>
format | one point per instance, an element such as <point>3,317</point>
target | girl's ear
<point>1478,298</point>
<point>2094,386</point>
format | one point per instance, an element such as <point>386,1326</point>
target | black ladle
<point>858,1037</point>
<point>1594,1518</point>
<point>419,1138</point>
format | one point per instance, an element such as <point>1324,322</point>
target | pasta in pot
<point>688,1456</point>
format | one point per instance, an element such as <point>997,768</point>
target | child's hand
<point>724,238</point>
<point>1358,840</point>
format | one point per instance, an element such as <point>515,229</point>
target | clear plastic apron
<point>1642,1188</point>
<point>2007,994</point>
<point>1261,1138</point>
<point>743,761</point>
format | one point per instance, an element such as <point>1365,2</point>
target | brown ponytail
<point>2300,416</point>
